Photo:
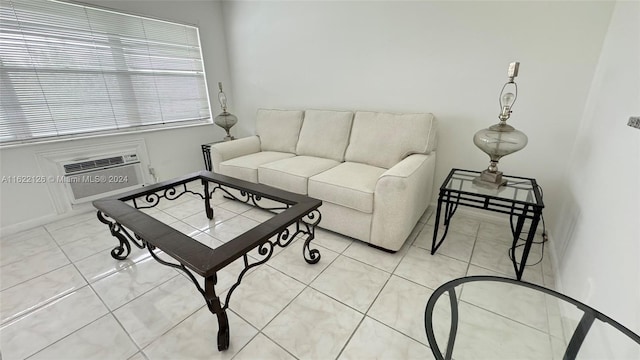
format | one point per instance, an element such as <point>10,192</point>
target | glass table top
<point>517,189</point>
<point>499,318</point>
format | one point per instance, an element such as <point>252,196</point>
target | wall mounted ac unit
<point>94,178</point>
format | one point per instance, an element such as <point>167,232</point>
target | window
<point>67,69</point>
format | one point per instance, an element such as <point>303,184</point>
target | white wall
<point>598,237</point>
<point>171,152</point>
<point>448,58</point>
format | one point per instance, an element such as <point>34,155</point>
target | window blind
<point>67,69</point>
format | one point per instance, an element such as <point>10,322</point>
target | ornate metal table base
<point>191,256</point>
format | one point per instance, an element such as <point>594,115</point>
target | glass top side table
<point>206,154</point>
<point>520,198</point>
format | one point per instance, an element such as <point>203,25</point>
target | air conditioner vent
<point>92,164</point>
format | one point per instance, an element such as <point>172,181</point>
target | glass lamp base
<point>229,138</point>
<point>489,179</point>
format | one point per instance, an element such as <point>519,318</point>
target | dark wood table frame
<point>519,209</point>
<point>194,257</point>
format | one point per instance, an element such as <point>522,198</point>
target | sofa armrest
<point>401,196</point>
<point>232,149</point>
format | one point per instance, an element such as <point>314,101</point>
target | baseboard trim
<point>43,220</point>
<point>555,262</point>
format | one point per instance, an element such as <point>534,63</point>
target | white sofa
<point>373,171</point>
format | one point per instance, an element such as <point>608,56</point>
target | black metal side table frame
<point>527,206</point>
<point>130,226</point>
<point>206,155</point>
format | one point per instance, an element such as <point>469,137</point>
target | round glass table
<point>489,317</point>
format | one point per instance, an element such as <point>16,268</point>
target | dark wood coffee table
<point>132,226</point>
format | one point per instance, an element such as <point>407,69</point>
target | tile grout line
<point>351,336</point>
<point>337,300</point>
<point>400,332</point>
<point>88,285</point>
<point>466,273</point>
<point>141,350</point>
<point>260,331</point>
<point>68,335</point>
<point>367,311</point>
<point>200,307</point>
<point>110,311</point>
<point>168,330</point>
<point>507,318</point>
<point>178,273</point>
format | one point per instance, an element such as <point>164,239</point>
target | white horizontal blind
<point>67,69</point>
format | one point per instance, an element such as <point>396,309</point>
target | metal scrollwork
<point>284,238</point>
<point>313,217</point>
<point>302,227</point>
<point>176,266</point>
<point>265,250</point>
<point>151,200</point>
<point>208,293</point>
<point>246,197</point>
<point>123,250</point>
<point>311,256</point>
<point>170,193</point>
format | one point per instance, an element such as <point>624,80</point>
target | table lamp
<point>225,119</point>
<point>500,139</point>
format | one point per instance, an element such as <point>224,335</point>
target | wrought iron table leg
<point>450,209</point>
<point>213,303</point>
<point>516,237</point>
<point>527,245</point>
<point>311,256</point>
<point>125,239</point>
<point>207,200</point>
<point>436,225</point>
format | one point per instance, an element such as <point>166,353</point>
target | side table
<point>206,154</point>
<point>520,198</point>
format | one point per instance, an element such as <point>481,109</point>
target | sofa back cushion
<point>278,129</point>
<point>383,139</point>
<point>325,134</point>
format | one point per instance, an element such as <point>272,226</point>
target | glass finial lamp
<point>500,139</point>
<point>225,119</point>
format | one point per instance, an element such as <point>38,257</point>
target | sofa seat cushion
<point>292,174</point>
<point>246,167</point>
<point>349,184</point>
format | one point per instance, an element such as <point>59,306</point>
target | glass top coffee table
<point>297,216</point>
<point>520,198</point>
<point>488,317</point>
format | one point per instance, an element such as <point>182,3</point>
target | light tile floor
<point>64,297</point>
